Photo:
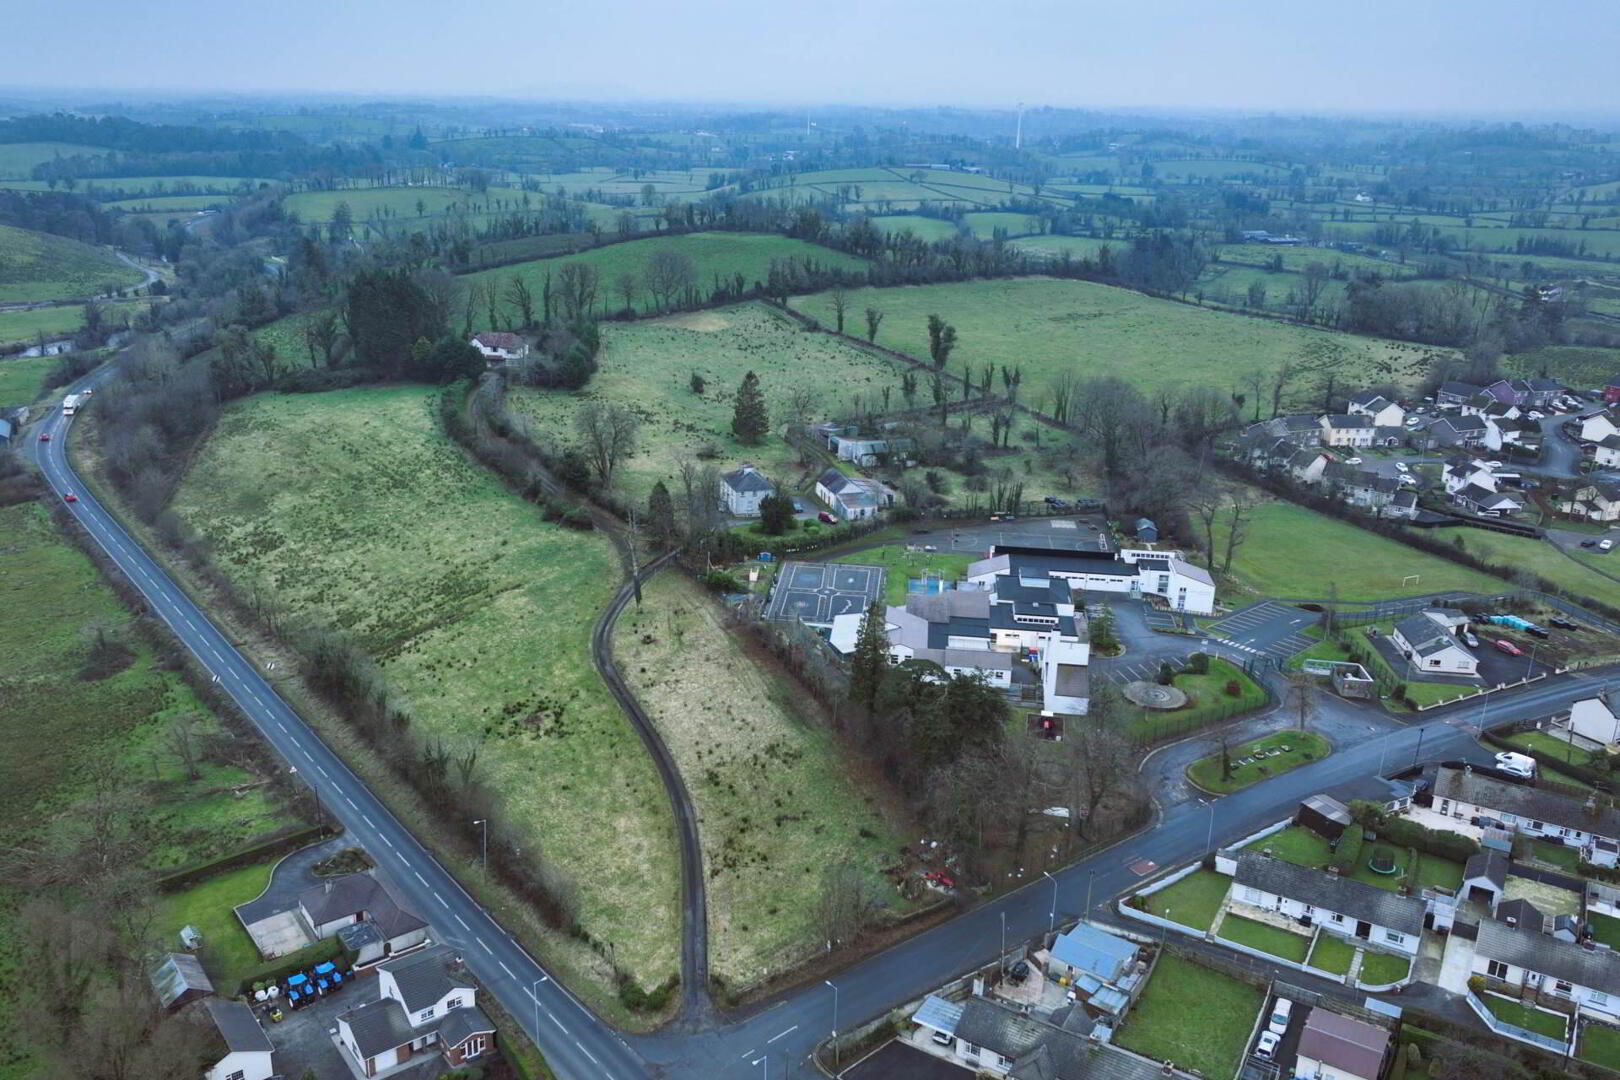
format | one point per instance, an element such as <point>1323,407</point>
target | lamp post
<point>1051,917</point>
<point>1091,879</point>
<point>483,823</point>
<point>1418,750</point>
<point>834,989</point>
<point>536,999</point>
<point>1209,836</point>
<point>765,1060</point>
<point>1002,962</point>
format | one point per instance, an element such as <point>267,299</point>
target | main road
<point>776,1036</point>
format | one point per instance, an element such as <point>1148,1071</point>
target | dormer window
<point>424,1015</point>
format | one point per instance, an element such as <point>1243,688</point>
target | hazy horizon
<point>1489,57</point>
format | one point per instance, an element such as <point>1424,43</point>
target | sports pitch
<point>818,592</point>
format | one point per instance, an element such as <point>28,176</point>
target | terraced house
<point>1523,958</point>
<point>1340,905</point>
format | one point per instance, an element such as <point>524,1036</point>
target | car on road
<point>70,497</point>
<point>44,436</point>
<point>1588,543</point>
<point>1056,503</point>
<point>1266,1048</point>
<point>1535,415</point>
<point>826,518</point>
<point>1605,545</point>
<point>1493,464</point>
<point>1469,639</point>
<point>1508,647</point>
<point>1279,1016</point>
<point>1563,623</point>
<point>1401,466</point>
<point>1352,461</point>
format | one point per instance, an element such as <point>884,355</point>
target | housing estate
<point>1376,407</point>
<point>1339,905</point>
<point>499,346</point>
<point>853,498</point>
<point>1140,573</point>
<point>1464,794</point>
<point>422,1005</point>
<point>1595,500</point>
<point>743,489</point>
<point>1429,642</point>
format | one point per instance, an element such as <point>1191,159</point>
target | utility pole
<point>1018,138</point>
<point>483,823</point>
<point>1051,919</point>
<point>834,989</point>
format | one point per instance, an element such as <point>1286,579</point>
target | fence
<point>1510,1031</point>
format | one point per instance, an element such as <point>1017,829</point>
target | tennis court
<point>819,592</point>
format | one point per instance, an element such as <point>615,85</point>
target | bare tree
<point>322,332</point>
<point>1300,696</point>
<point>1060,394</point>
<point>520,296</point>
<point>1238,513</point>
<point>609,436</point>
<point>1206,507</point>
<point>874,319</point>
<point>628,287</point>
<point>848,903</point>
<point>576,284</point>
<point>1315,280</point>
<point>840,305</point>
<point>182,740</point>
<point>668,274</point>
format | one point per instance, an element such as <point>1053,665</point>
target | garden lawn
<point>1332,953</point>
<point>41,266</point>
<point>1511,1012</point>
<point>1294,552</point>
<point>352,509</point>
<point>899,565</point>
<point>723,255</point>
<point>1192,901</point>
<point>1296,844</point>
<point>1565,858</point>
<point>1207,702</point>
<point>1193,1016</point>
<point>1381,969</point>
<point>1600,1045</point>
<point>228,954</point>
<point>777,799</point>
<point>1606,928</point>
<point>1550,744</point>
<point>1268,939</point>
<point>1303,747</point>
<point>22,378</point>
<point>1432,693</point>
<point>648,367</point>
<point>1047,326</point>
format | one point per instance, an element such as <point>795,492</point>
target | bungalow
<point>1404,504</point>
<point>1606,452</point>
<point>421,1004</point>
<point>1465,794</point>
<point>854,498</point>
<point>248,1054</point>
<point>1455,393</point>
<point>1344,429</point>
<point>1340,905</point>
<point>1522,957</point>
<point>1596,500</point>
<point>1335,1047</point>
<point>1086,951</point>
<point>1378,408</point>
<point>994,1039</point>
<point>1594,427</point>
<point>498,346</point>
<point>1476,499</point>
<point>743,489</point>
<point>1594,718</point>
<point>1429,644</point>
<point>337,903</point>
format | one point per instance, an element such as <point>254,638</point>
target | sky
<point>1426,56</point>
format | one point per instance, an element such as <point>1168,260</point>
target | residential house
<point>1484,502</point>
<point>1147,531</point>
<point>1508,392</point>
<point>1165,574</point>
<point>1340,905</point>
<point>1464,431</point>
<point>1301,429</point>
<point>498,346</point>
<point>1306,466</point>
<point>1538,393</point>
<point>1403,504</point>
<point>743,489</point>
<point>352,899</point>
<point>1594,718</point>
<point>1361,487</point>
<point>996,1039</point>
<point>1595,426</point>
<point>1485,878</point>
<point>247,1054</point>
<point>1383,412</point>
<point>1461,471</point>
<point>1431,646</point>
<point>1346,429</point>
<point>1522,957</point>
<point>853,498</point>
<point>422,1004</point>
<point>1336,1047</point>
<point>1465,794</point>
<point>1455,393</point>
<point>1605,452</point>
<point>178,980</point>
<point>868,452</point>
<point>1087,952</point>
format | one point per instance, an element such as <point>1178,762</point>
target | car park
<point>1508,647</point>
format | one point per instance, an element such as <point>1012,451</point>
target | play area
<point>818,592</point>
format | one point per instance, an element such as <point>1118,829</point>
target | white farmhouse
<point>421,1006</point>
<point>743,489</point>
<point>499,346</point>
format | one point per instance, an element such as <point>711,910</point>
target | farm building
<point>499,346</point>
<point>853,498</point>
<point>179,979</point>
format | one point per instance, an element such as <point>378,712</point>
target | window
<point>1496,969</point>
<point>453,1003</point>
<point>968,1049</point>
<point>425,1014</point>
<point>1434,663</point>
<point>1536,825</point>
<point>1336,917</point>
<point>475,1046</point>
<point>1005,1063</point>
<point>1393,938</point>
<point>1598,999</point>
<point>1309,910</point>
<point>1251,895</point>
<point>1562,988</point>
<point>237,1075</point>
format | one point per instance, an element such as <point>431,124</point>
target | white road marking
<point>463,923</point>
<point>486,947</point>
<point>586,1052</point>
<point>373,824</point>
<point>350,802</point>
<point>419,876</point>
<point>441,900</point>
<point>506,969</point>
<point>781,1034</point>
<point>558,1022</point>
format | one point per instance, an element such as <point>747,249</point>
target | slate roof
<point>1341,421</point>
<point>1465,785</point>
<point>1595,969</point>
<point>421,978</point>
<point>238,1026</point>
<point>950,604</point>
<point>1458,389</point>
<point>1424,635</point>
<point>1071,562</point>
<point>459,1025</point>
<point>1354,1046</point>
<point>352,893</point>
<point>985,659</point>
<point>746,479</point>
<point>177,975</point>
<point>1188,570</point>
<point>1490,865</point>
<point>1331,892</point>
<point>1000,1030</point>
<point>379,1026</point>
<point>1463,424</point>
<point>1523,913</point>
<point>1369,399</point>
<point>1009,589</point>
<point>498,339</point>
<point>1067,1055</point>
<point>1097,951</point>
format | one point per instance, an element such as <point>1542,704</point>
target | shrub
<point>1233,689</point>
<point>1349,849</point>
<point>638,1000</point>
<point>1198,664</point>
<point>721,582</point>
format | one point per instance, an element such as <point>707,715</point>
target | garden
<point>1249,763</point>
<point>1193,1016</point>
<point>1216,689</point>
<point>1193,901</point>
<point>1265,937</point>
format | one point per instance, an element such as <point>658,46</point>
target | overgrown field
<point>1048,326</point>
<point>21,378</point>
<point>775,797</point>
<point>39,266</point>
<point>648,366</point>
<point>716,257</point>
<point>352,508</point>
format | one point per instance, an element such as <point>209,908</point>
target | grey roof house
<point>1338,904</point>
<point>743,489</point>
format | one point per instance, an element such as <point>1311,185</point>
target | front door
<point>1363,930</point>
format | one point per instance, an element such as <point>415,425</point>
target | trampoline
<point>820,592</point>
<point>1383,862</point>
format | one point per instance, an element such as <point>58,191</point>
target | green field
<point>18,159</point>
<point>25,326</point>
<point>923,228</point>
<point>352,508</point>
<point>1299,748</point>
<point>39,266</point>
<point>648,366</point>
<point>1077,247</point>
<point>1046,326</point>
<point>366,203</point>
<point>776,800</point>
<point>22,378</point>
<point>1192,1016</point>
<point>1579,575</point>
<point>168,204</point>
<point>984,223</point>
<point>1295,552</point>
<point>715,256</point>
<point>131,186</point>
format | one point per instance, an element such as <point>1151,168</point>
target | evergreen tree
<point>870,661</point>
<point>750,422</point>
<point>775,514</point>
<point>661,514</point>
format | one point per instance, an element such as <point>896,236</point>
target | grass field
<point>900,564</point>
<point>27,325</point>
<point>351,507</point>
<point>1381,969</point>
<point>1046,326</point>
<point>1332,954</point>
<point>1295,552</point>
<point>1193,1016</point>
<point>168,204</point>
<point>22,377</point>
<point>1579,575</point>
<point>984,223</point>
<point>1298,845</point>
<point>39,266</point>
<point>1078,247</point>
<point>366,203</point>
<point>715,256</point>
<point>1537,1020</point>
<point>775,796</point>
<point>923,228</point>
<point>18,159</point>
<point>1605,928</point>
<point>1600,1045</point>
<point>1299,748</point>
<point>1192,901</point>
<point>648,366</point>
<point>1266,938</point>
<point>1207,701</point>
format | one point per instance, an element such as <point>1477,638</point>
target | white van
<point>1279,1016</point>
<point>1517,764</point>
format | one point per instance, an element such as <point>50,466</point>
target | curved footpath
<point>777,1035</point>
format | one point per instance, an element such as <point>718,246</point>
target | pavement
<point>778,1034</point>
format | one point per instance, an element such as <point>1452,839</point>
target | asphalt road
<point>778,1035</point>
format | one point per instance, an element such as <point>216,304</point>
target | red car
<point>1508,647</point>
<point>935,877</point>
<point>44,436</point>
<point>70,497</point>
<point>827,518</point>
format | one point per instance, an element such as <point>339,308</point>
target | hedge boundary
<point>276,844</point>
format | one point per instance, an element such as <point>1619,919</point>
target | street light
<point>834,989</point>
<point>1002,962</point>
<point>536,999</point>
<point>764,1059</point>
<point>1209,837</point>
<point>1051,919</point>
<point>484,823</point>
<point>1418,750</point>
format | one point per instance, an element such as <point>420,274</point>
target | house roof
<point>939,1014</point>
<point>238,1026</point>
<point>1038,563</point>
<point>379,1026</point>
<point>178,974</point>
<point>1000,1030</point>
<point>421,977</point>
<point>1330,891</point>
<point>459,1025</point>
<point>352,893</point>
<point>498,339</point>
<point>950,604</point>
<point>1521,912</point>
<point>1458,389</point>
<point>1329,807</point>
<point>1595,969</point>
<point>1097,951</point>
<point>1073,680</point>
<point>1465,785</point>
<point>1369,399</point>
<point>1424,635</point>
<point>1069,1055</point>
<point>1354,1046</point>
<point>983,659</point>
<point>746,479</point>
<point>1461,424</point>
<point>1346,420</point>
<point>1490,865</point>
<point>1188,570</point>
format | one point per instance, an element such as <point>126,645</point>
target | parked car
<point>942,1039</point>
<point>1508,647</point>
<point>1401,466</point>
<point>1056,503</point>
<point>1517,764</point>
<point>827,518</point>
<point>1605,545</point>
<point>1588,543</point>
<point>1279,1016</point>
<point>1470,640</point>
<point>1533,414</point>
<point>1352,461</point>
<point>1493,464</point>
<point>1267,1046</point>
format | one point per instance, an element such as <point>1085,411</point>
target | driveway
<point>897,1061</point>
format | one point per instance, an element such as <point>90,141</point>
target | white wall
<point>1591,719</point>
<point>253,1065</point>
